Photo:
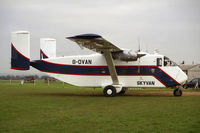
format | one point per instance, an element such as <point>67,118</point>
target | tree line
<point>21,77</point>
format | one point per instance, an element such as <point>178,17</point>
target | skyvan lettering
<point>145,82</point>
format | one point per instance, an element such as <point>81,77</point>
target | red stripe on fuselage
<point>17,68</point>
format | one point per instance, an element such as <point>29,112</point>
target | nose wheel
<point>177,92</point>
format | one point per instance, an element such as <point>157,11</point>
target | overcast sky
<point>171,26</point>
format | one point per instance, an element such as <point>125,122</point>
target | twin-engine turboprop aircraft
<point>111,68</point>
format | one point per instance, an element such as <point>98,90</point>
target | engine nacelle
<point>125,55</point>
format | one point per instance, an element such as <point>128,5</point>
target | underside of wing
<point>98,44</point>
<point>94,42</point>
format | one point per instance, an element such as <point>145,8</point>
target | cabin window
<point>159,62</point>
<point>103,71</point>
<point>152,70</point>
<point>90,70</point>
<point>124,70</point>
<point>136,70</point>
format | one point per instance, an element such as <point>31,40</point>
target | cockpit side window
<point>159,62</point>
<point>168,62</point>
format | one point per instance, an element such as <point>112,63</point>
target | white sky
<point>172,26</point>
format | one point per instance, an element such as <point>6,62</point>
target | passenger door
<point>159,62</point>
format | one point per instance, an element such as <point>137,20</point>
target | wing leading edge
<point>94,42</point>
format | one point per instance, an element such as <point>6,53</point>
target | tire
<point>185,87</point>
<point>122,92</point>
<point>177,92</point>
<point>109,91</point>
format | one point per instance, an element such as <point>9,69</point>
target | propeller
<point>139,52</point>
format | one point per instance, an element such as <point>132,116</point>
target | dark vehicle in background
<point>192,84</point>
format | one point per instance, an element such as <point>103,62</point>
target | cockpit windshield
<point>168,62</point>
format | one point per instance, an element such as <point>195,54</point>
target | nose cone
<point>181,77</point>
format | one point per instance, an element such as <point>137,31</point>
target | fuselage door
<point>159,62</point>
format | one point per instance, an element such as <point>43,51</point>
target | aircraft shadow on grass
<point>132,94</point>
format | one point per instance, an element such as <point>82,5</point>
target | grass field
<point>57,108</point>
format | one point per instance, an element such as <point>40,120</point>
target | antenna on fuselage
<point>147,48</point>
<point>139,48</point>
<point>156,51</point>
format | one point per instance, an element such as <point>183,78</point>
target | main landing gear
<point>110,91</point>
<point>177,92</point>
<point>122,92</point>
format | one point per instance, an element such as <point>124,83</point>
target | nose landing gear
<point>177,92</point>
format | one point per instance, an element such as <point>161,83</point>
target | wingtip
<point>84,36</point>
<point>67,37</point>
<point>70,38</point>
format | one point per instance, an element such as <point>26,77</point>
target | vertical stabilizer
<point>20,50</point>
<point>47,48</point>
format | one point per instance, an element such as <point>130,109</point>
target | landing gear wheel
<point>185,87</point>
<point>109,91</point>
<point>177,92</point>
<point>122,92</point>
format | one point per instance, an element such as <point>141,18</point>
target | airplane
<point>111,68</point>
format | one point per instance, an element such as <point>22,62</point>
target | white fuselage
<point>92,71</point>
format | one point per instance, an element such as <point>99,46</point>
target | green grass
<point>57,108</point>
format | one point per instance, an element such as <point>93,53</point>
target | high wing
<point>94,42</point>
<point>98,44</point>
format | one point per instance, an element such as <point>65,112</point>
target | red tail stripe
<point>17,68</point>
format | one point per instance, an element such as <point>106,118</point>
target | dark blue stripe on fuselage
<point>18,61</point>
<point>103,70</point>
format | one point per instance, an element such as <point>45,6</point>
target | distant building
<point>29,79</point>
<point>49,80</point>
<point>193,71</point>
